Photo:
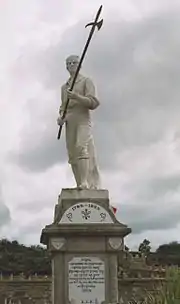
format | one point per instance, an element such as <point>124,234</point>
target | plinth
<point>84,240</point>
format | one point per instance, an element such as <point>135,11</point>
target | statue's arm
<point>89,99</point>
<point>90,92</point>
<point>62,106</point>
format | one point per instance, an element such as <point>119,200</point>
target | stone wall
<point>38,290</point>
<point>135,278</point>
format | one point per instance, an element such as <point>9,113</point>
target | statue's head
<point>72,63</point>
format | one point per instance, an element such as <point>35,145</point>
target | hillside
<point>17,258</point>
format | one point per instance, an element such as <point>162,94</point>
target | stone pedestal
<point>84,240</point>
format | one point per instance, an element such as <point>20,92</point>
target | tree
<point>173,248</point>
<point>145,247</point>
<point>17,258</point>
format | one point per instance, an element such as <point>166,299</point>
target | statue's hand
<point>60,121</point>
<point>72,95</point>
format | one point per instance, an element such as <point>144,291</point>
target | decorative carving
<point>86,212</point>
<point>57,243</point>
<point>115,242</point>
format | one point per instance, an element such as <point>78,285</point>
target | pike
<point>93,24</point>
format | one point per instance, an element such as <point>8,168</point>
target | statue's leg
<point>83,167</point>
<point>93,176</point>
<point>76,174</point>
<point>83,137</point>
<point>71,135</point>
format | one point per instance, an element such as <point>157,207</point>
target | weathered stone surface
<point>92,235</point>
<point>69,194</point>
<point>72,197</point>
<point>40,290</point>
<point>25,290</point>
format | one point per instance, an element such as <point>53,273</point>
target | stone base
<point>70,197</point>
<point>73,194</point>
<point>84,241</point>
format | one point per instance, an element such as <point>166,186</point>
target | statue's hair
<point>74,56</point>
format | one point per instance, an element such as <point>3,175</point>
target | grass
<point>168,293</point>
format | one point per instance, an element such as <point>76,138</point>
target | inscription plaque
<point>86,280</point>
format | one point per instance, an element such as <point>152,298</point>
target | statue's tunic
<point>79,139</point>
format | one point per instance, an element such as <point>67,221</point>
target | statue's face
<point>72,63</point>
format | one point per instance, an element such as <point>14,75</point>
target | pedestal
<point>84,240</point>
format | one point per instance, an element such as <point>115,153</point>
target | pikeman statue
<point>78,99</point>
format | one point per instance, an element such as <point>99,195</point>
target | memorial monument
<point>85,237</point>
<point>79,139</point>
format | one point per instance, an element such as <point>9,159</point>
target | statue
<point>77,100</point>
<point>79,139</point>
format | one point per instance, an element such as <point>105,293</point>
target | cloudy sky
<point>134,62</point>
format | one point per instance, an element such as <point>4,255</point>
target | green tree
<point>173,248</point>
<point>145,247</point>
<point>16,258</point>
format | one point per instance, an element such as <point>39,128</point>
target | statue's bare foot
<point>83,186</point>
<point>93,187</point>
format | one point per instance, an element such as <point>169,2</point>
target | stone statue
<point>79,139</point>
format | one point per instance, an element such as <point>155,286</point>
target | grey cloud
<point>155,204</point>
<point>54,11</point>
<point>148,217</point>
<point>40,158</point>
<point>34,227</point>
<point>136,68</point>
<point>34,206</point>
<point>160,186</point>
<point>30,234</point>
<point>4,213</point>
